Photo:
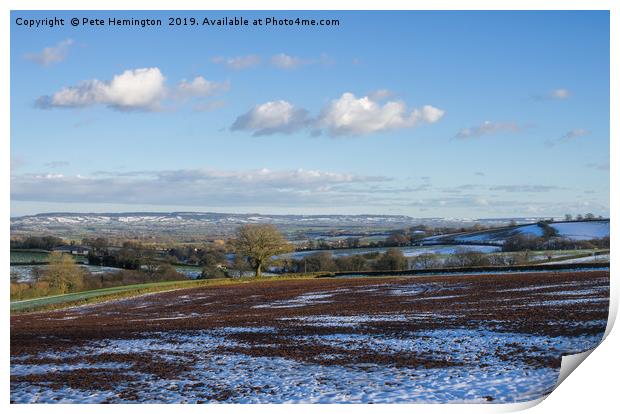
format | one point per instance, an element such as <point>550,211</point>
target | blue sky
<point>429,114</point>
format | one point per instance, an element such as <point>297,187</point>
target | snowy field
<point>400,340</point>
<point>576,230</point>
<point>409,251</point>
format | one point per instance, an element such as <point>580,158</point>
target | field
<point>572,230</point>
<point>28,256</point>
<point>467,338</point>
<point>36,256</point>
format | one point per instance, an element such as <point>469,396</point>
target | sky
<point>427,114</point>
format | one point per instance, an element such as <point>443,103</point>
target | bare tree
<point>62,273</point>
<point>260,242</point>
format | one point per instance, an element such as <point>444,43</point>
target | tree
<point>260,242</point>
<point>568,217</point>
<point>547,230</point>
<point>213,264</point>
<point>62,273</point>
<point>239,266</point>
<point>99,243</point>
<point>397,238</point>
<point>426,261</point>
<point>392,259</point>
<point>319,261</point>
<point>354,262</point>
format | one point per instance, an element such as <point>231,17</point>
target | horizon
<point>308,215</point>
<point>484,114</point>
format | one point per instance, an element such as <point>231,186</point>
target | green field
<point>36,256</point>
<point>29,256</point>
<point>101,295</point>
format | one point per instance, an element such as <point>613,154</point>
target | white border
<point>592,388</point>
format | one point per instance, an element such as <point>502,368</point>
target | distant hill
<point>222,224</point>
<point>573,230</point>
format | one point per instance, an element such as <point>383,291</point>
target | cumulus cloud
<point>141,89</point>
<point>349,115</point>
<point>346,115</point>
<point>238,62</point>
<point>51,55</point>
<point>202,187</point>
<point>201,87</point>
<point>488,128</point>
<point>271,118</point>
<point>135,89</point>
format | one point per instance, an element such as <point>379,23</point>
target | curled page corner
<point>570,363</point>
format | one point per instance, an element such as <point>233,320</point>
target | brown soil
<point>491,302</point>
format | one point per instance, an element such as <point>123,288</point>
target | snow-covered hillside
<point>573,230</point>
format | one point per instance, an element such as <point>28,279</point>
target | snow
<point>250,379</point>
<point>302,300</point>
<point>531,230</point>
<point>410,251</point>
<point>575,230</point>
<point>353,321</point>
<point>583,230</point>
<point>587,259</point>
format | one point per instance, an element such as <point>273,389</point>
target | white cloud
<point>554,95</point>
<point>133,89</point>
<point>346,115</point>
<point>287,62</point>
<point>201,87</point>
<point>524,188</point>
<point>271,118</point>
<point>349,115</point>
<point>52,54</point>
<point>201,187</point>
<point>488,128</point>
<point>238,62</point>
<point>559,94</point>
<point>284,61</point>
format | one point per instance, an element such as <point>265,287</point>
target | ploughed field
<point>474,338</point>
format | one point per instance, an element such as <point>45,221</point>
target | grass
<point>121,292</point>
<point>27,256</point>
